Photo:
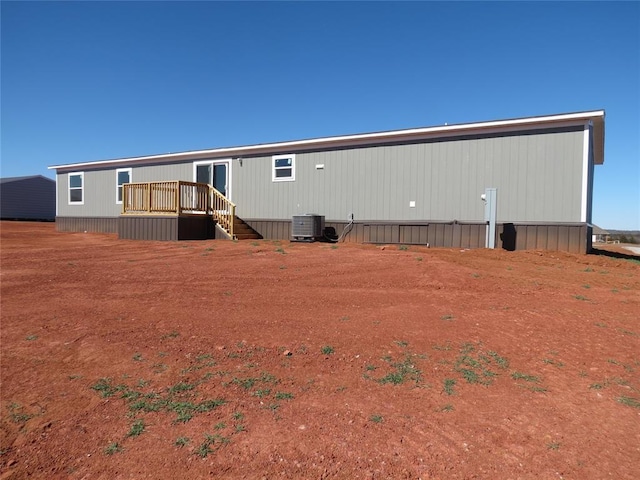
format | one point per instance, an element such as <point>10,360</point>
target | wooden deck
<point>178,198</point>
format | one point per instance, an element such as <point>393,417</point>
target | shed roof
<point>596,117</point>
<point>28,177</point>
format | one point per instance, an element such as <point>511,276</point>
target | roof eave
<point>597,117</point>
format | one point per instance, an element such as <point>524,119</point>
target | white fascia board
<point>353,140</point>
<point>586,155</point>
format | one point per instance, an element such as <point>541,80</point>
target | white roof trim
<point>597,116</point>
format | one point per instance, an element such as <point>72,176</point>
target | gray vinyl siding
<point>538,177</point>
<point>100,188</point>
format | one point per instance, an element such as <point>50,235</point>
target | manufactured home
<point>414,186</point>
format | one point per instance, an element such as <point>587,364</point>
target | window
<point>284,168</point>
<point>76,188</point>
<point>123,175</point>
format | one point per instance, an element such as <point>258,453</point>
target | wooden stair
<point>242,230</point>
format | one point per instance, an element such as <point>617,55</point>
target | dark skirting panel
<point>509,236</point>
<point>168,228</point>
<point>87,224</point>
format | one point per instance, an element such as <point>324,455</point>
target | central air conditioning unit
<point>307,227</point>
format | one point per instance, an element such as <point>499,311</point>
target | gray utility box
<point>307,227</point>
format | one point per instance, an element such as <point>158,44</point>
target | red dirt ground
<point>444,364</point>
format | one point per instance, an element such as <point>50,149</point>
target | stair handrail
<point>223,210</point>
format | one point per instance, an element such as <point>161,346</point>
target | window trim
<point>291,178</point>
<point>118,186</point>
<point>69,187</point>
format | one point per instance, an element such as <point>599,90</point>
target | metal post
<point>490,215</point>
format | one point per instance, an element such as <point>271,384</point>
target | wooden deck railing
<point>223,210</point>
<point>159,198</point>
<point>178,197</point>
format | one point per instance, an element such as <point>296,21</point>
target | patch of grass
<point>181,441</point>
<point>467,348</point>
<point>112,448</point>
<point>240,428</point>
<point>262,393</point>
<point>447,408</point>
<point>273,406</point>
<point>370,368</point>
<point>105,388</point>
<point>220,426</point>
<point>550,361</point>
<point>281,251</point>
<point>402,371</point>
<point>31,338</point>
<point>628,368</point>
<point>268,378</point>
<point>470,375</point>
<point>246,383</point>
<point>376,418</point>
<point>629,401</point>
<point>136,429</point>
<point>580,297</point>
<point>475,366</point>
<point>596,386</point>
<point>172,334</point>
<point>448,316</point>
<point>284,396</point>
<point>449,383</point>
<point>401,343</point>
<point>17,415</point>
<point>334,247</point>
<point>283,267</point>
<point>238,415</point>
<point>171,401</point>
<point>475,275</point>
<point>536,388</point>
<point>254,244</point>
<point>403,248</point>
<point>500,361</point>
<point>419,259</point>
<point>553,445</point>
<point>327,350</point>
<point>137,357</point>
<point>204,449</point>
<point>159,367</point>
<point>628,332</point>
<point>446,347</point>
<point>525,377</point>
<point>588,269</point>
<point>586,286</point>
<point>600,324</point>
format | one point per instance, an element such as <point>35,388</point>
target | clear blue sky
<point>97,80</point>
